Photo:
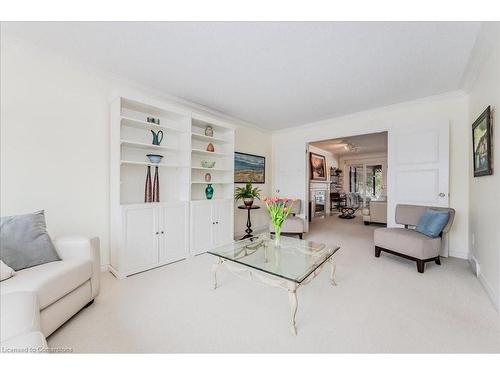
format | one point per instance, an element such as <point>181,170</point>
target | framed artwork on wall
<point>249,168</point>
<point>482,144</point>
<point>317,167</point>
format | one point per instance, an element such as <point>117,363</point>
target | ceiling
<point>271,74</point>
<point>367,143</point>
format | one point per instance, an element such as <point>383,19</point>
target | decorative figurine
<point>209,131</point>
<point>210,147</point>
<point>208,177</point>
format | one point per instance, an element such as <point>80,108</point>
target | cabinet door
<point>140,238</point>
<point>223,216</point>
<point>173,233</point>
<point>201,228</point>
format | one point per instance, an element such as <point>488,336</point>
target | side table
<point>248,231</point>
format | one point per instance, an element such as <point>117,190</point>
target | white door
<point>222,215</point>
<point>290,174</point>
<point>418,166</point>
<point>173,233</point>
<point>141,238</point>
<point>202,226</point>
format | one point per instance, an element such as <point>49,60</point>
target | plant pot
<point>248,202</point>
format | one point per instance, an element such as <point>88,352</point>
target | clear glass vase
<point>277,236</point>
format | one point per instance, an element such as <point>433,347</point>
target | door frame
<point>382,129</point>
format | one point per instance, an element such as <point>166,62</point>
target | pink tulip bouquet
<point>279,209</point>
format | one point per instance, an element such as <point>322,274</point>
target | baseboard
<point>474,265</point>
<point>489,290</point>
<point>459,254</point>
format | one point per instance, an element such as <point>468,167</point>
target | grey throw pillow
<point>24,241</point>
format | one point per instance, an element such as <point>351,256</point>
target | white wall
<point>485,191</point>
<point>55,139</point>
<point>252,141</point>
<point>453,106</point>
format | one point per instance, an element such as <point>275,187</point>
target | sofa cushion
<point>50,281</point>
<point>5,271</point>
<point>24,241</point>
<point>407,241</point>
<point>432,222</point>
<point>31,342</point>
<point>19,314</point>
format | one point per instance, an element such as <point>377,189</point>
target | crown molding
<point>487,38</point>
<point>133,85</point>
<point>392,107</point>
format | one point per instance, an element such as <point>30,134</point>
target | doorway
<point>354,178</point>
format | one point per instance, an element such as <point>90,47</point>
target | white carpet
<point>380,305</point>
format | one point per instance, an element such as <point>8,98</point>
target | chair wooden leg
<point>438,261</point>
<point>377,251</point>
<point>300,235</point>
<point>420,266</point>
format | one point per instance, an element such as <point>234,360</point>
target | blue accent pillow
<point>432,222</point>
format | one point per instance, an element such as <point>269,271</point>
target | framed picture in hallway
<point>482,144</point>
<point>249,168</point>
<point>317,167</point>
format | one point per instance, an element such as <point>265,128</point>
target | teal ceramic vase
<point>209,191</point>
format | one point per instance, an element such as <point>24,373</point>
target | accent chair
<point>407,242</point>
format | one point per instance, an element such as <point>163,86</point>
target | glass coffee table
<point>289,265</point>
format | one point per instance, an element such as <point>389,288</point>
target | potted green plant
<point>247,193</point>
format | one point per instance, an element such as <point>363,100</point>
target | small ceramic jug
<point>208,177</point>
<point>156,137</point>
<point>209,131</point>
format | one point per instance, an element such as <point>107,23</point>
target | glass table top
<point>293,260</point>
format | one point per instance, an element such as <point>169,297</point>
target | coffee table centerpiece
<point>290,265</point>
<point>279,209</point>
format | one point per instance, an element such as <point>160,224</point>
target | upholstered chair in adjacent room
<point>293,224</point>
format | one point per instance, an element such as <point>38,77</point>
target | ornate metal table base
<point>347,213</point>
<point>291,286</point>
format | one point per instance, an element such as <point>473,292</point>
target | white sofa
<point>38,300</point>
<point>376,213</point>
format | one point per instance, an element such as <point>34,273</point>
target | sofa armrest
<point>80,247</point>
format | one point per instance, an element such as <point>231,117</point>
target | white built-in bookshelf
<point>138,229</point>
<point>222,174</point>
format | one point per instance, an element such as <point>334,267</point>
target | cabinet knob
<point>162,232</point>
<point>157,233</point>
<point>216,222</point>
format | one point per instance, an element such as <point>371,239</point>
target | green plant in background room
<point>279,209</point>
<point>247,193</point>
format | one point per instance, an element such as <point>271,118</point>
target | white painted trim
<point>374,111</point>
<point>459,254</point>
<point>489,290</point>
<point>485,41</point>
<point>476,267</point>
<point>474,264</point>
<point>135,86</point>
<point>104,267</point>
